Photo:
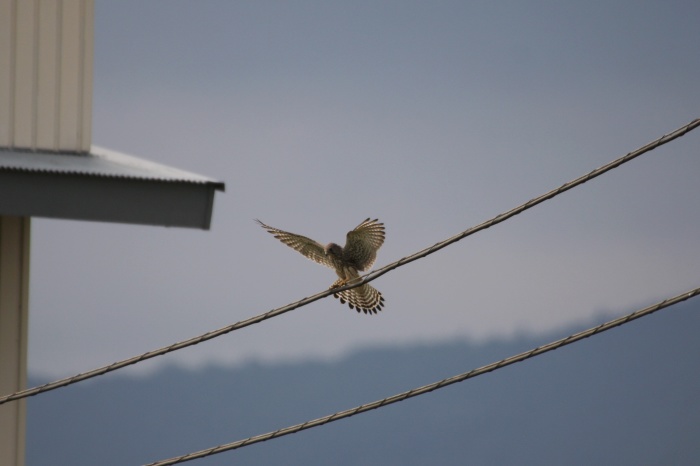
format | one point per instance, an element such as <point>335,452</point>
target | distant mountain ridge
<point>627,397</point>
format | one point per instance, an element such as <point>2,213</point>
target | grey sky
<point>433,117</point>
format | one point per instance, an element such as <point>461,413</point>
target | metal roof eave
<point>103,185</point>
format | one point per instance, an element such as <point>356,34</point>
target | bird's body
<point>358,254</point>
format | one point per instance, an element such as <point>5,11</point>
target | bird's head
<point>333,249</point>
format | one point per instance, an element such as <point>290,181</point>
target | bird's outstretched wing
<point>308,247</point>
<point>363,242</point>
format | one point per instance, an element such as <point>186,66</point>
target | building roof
<point>103,185</point>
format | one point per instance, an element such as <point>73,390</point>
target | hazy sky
<point>433,117</point>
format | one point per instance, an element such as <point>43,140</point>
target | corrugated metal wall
<point>46,74</point>
<point>14,322</point>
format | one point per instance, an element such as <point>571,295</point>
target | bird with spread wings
<point>358,254</point>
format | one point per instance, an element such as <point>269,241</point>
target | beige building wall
<point>45,104</point>
<point>46,74</point>
<point>14,297</point>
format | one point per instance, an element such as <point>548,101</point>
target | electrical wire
<point>433,386</point>
<point>365,279</point>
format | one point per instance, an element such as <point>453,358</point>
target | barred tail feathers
<point>364,298</point>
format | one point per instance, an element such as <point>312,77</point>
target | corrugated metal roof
<point>104,186</point>
<point>98,162</point>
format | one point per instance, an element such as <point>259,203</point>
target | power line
<point>365,279</point>
<point>433,386</point>
<point>537,200</point>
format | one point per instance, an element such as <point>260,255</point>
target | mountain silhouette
<point>630,396</point>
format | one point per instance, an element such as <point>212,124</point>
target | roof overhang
<point>103,185</point>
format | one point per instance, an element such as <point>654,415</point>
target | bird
<point>358,254</point>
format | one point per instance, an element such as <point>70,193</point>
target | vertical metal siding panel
<point>46,57</point>
<point>47,88</point>
<point>70,67</point>
<point>87,66</point>
<point>25,74</point>
<point>14,312</point>
<point>7,44</point>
